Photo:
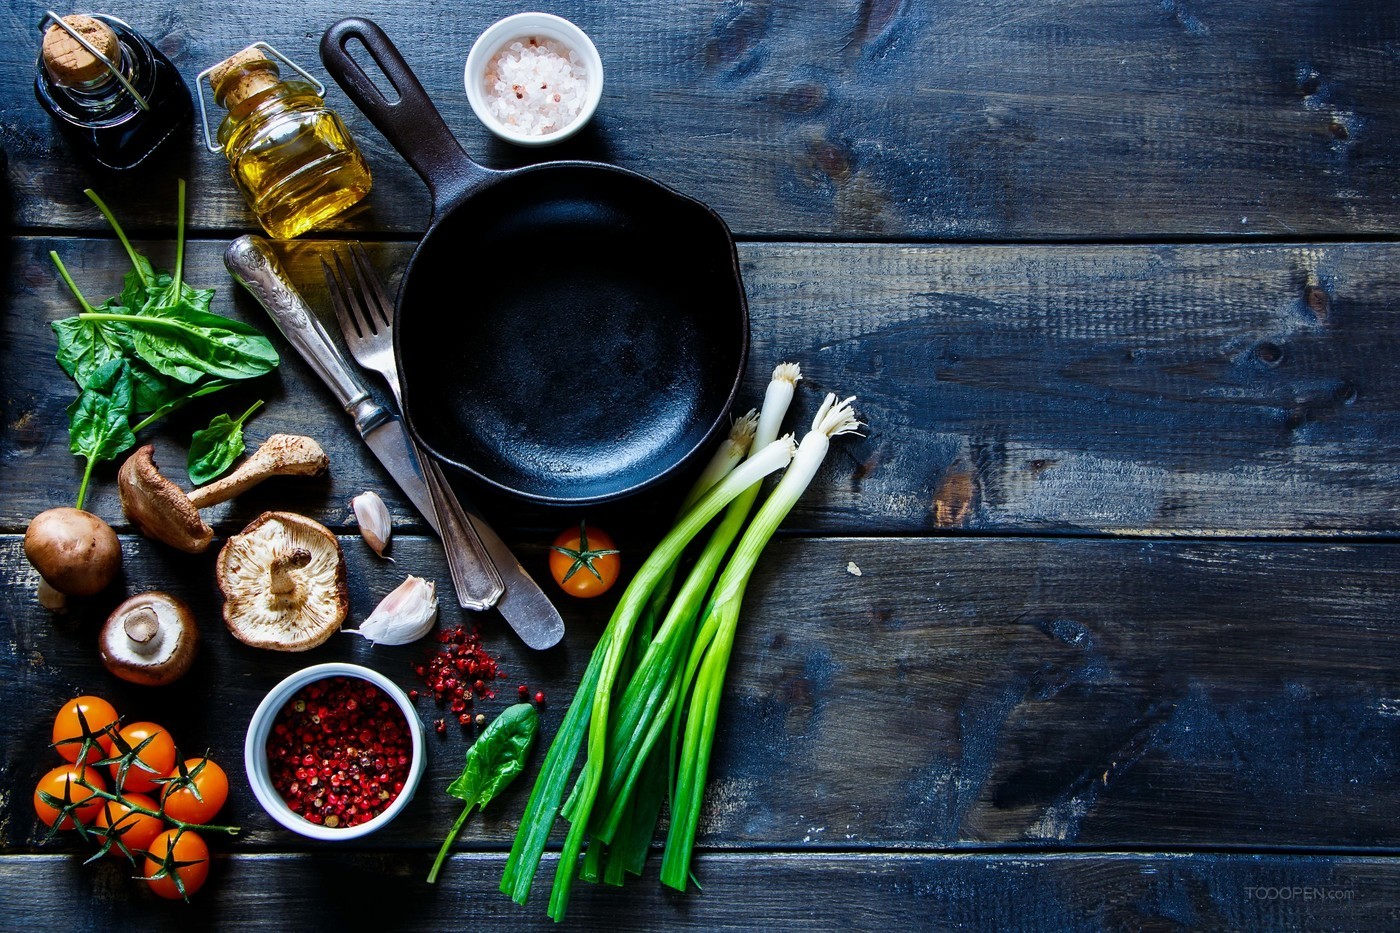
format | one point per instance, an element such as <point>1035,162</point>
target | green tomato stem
<point>158,814</point>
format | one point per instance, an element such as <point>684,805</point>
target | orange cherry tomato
<point>159,756</point>
<point>69,731</point>
<point>62,784</point>
<point>169,852</point>
<point>135,829</point>
<point>584,561</point>
<point>204,776</point>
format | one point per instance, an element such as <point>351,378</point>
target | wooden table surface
<point>1118,287</point>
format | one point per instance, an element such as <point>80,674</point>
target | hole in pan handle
<point>411,124</point>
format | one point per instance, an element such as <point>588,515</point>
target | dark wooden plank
<point>335,888</point>
<point>1105,389</point>
<point>956,694</point>
<point>980,119</point>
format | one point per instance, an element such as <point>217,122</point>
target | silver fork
<point>363,310</point>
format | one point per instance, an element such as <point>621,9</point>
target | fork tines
<point>362,301</point>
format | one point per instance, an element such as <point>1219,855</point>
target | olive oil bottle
<point>291,156</point>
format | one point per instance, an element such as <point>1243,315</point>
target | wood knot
<point>953,500</point>
<point>1318,302</point>
<point>1270,354</point>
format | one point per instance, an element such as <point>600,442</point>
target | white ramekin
<point>532,24</point>
<point>255,751</point>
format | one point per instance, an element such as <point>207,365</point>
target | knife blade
<point>389,441</point>
<point>253,265</point>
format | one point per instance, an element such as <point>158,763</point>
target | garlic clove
<point>404,616</point>
<point>375,524</point>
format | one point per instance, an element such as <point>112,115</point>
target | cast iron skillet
<point>570,332</point>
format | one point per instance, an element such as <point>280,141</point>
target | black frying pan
<point>568,332</point>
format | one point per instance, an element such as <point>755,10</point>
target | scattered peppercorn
<point>459,672</point>
<point>339,752</point>
<point>480,720</point>
<point>440,726</point>
<point>539,698</point>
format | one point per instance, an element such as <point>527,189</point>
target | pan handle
<point>411,123</point>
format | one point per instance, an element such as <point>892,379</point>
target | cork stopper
<point>71,65</point>
<point>241,75</point>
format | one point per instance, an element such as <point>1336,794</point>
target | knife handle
<point>253,264</point>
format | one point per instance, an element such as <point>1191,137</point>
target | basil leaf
<point>214,449</point>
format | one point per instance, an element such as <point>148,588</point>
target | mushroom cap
<point>75,551</point>
<point>159,508</point>
<point>150,639</point>
<point>283,580</point>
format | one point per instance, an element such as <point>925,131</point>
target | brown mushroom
<point>150,639</point>
<point>283,580</point>
<point>162,510</point>
<point>75,552</point>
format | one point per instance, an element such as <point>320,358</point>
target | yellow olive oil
<point>291,156</point>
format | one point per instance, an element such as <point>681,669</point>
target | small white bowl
<point>501,33</point>
<point>255,751</point>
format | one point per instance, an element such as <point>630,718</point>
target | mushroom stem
<point>142,629</point>
<point>279,455</point>
<point>282,582</point>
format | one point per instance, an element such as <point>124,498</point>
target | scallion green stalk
<point>588,714</point>
<point>833,419</point>
<point>646,705</point>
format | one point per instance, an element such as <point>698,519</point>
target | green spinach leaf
<point>86,346</point>
<point>149,350</point>
<point>213,449</point>
<point>496,759</point>
<point>98,426</point>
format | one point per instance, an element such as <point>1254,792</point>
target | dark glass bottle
<point>94,109</point>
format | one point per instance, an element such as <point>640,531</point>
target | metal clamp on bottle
<point>52,18</point>
<point>204,78</point>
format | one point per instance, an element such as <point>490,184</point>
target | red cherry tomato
<point>205,777</point>
<point>62,785</point>
<point>158,756</point>
<point>68,728</point>
<point>169,853</point>
<point>584,561</point>
<point>135,829</point>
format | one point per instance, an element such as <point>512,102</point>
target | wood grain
<point>1155,390</point>
<point>336,889</point>
<point>955,695</point>
<point>976,119</point>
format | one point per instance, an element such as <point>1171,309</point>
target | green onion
<point>711,659</point>
<point>647,702</point>
<point>589,711</point>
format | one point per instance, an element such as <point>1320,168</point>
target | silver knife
<point>528,611</point>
